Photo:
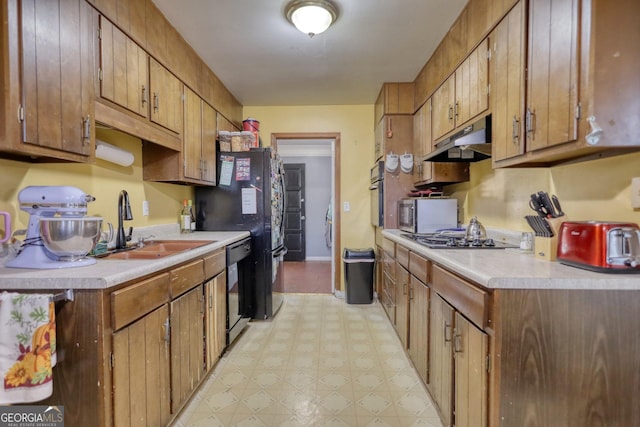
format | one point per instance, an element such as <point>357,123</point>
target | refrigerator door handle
<point>280,252</point>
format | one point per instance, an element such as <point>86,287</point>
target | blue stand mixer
<point>59,235</point>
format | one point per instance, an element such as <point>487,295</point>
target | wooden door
<point>215,291</point>
<point>402,304</point>
<point>166,97</point>
<point>123,70</point>
<point>294,212</point>
<point>442,115</point>
<point>141,372</point>
<point>471,350</point>
<point>422,143</point>
<point>472,83</point>
<point>508,85</point>
<point>192,138</point>
<point>209,132</point>
<point>419,327</point>
<point>441,357</point>
<point>552,73</point>
<point>57,87</point>
<point>187,361</point>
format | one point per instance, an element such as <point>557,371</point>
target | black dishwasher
<point>238,275</point>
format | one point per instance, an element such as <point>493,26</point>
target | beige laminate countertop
<point>106,273</point>
<point>499,269</point>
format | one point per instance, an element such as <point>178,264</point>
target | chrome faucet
<point>124,214</point>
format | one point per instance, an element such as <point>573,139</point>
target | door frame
<point>335,136</point>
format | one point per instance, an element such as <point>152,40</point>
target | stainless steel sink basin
<point>159,249</point>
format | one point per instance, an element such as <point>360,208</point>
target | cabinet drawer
<point>186,277</point>
<point>389,265</point>
<point>133,302</point>
<point>402,256</point>
<point>215,263</point>
<point>420,267</point>
<point>468,299</point>
<point>389,247</point>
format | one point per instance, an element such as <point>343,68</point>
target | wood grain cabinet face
<point>57,89</point>
<point>123,70</point>
<point>441,318</point>
<point>199,143</point>
<point>402,305</point>
<point>215,318</point>
<point>166,97</point>
<point>141,386</point>
<point>419,326</point>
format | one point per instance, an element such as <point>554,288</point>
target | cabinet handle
<point>210,301</point>
<point>450,112</point>
<point>515,131</point>
<point>457,342</point>
<point>456,108</point>
<point>86,125</point>
<point>447,332</point>
<point>530,121</point>
<point>410,293</point>
<point>167,330</point>
<point>155,101</point>
<point>144,95</point>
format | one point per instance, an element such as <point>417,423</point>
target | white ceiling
<point>263,60</point>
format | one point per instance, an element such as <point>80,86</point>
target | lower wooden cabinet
<point>187,362</point>
<point>419,326</point>
<point>402,305</point>
<point>215,293</point>
<point>140,364</point>
<point>441,357</point>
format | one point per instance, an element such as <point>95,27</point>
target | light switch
<point>635,193</point>
<point>346,206</point>
<point>145,208</point>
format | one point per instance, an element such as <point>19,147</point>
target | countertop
<point>106,273</point>
<point>502,269</point>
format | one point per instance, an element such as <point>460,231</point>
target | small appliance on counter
<point>59,235</point>
<point>605,247</point>
<point>426,215</point>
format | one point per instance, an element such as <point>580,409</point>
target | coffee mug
<point>7,226</point>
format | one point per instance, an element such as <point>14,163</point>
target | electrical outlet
<point>145,208</point>
<point>635,193</point>
<point>346,206</point>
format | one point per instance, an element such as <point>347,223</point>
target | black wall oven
<point>376,191</point>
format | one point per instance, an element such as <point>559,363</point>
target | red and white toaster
<point>606,247</point>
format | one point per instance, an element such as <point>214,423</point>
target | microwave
<point>419,216</point>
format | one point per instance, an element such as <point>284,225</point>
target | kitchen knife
<point>536,205</point>
<point>547,204</point>
<point>556,205</point>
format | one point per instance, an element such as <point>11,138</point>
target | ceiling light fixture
<point>311,16</point>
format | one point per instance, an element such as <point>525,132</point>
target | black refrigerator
<point>250,196</point>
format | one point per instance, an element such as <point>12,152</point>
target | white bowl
<point>70,238</point>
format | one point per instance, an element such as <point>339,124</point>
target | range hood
<point>471,144</point>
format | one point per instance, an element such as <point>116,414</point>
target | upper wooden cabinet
<point>130,15</point>
<point>199,146</point>
<point>47,103</point>
<point>166,97</point>
<point>394,98</point>
<point>124,70</point>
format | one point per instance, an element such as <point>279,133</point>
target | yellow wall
<point>103,180</point>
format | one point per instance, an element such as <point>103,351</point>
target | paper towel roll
<point>113,154</point>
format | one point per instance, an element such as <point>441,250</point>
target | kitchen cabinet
<point>166,97</point>
<point>402,295</point>
<point>394,98</point>
<point>464,95</point>
<point>508,45</point>
<point>387,298</point>
<point>130,15</point>
<point>215,294</point>
<point>47,84</point>
<point>187,323</point>
<point>140,353</point>
<point>225,125</point>
<point>420,269</point>
<point>440,383</point>
<point>123,72</point>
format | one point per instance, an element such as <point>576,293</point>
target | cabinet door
<point>166,92</point>
<point>402,305</point>
<point>192,141</point>
<point>441,357</point>
<point>379,139</point>
<point>123,70</point>
<point>472,82</point>
<point>216,318</point>
<point>507,85</point>
<point>141,372</point>
<point>187,361</point>
<point>57,94</point>
<point>419,327</point>
<point>470,353</point>
<point>209,132</point>
<point>443,108</point>
<point>552,73</point>
<point>422,142</point>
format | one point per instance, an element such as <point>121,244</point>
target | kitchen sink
<point>158,249</point>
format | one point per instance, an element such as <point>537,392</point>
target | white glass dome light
<point>311,16</point>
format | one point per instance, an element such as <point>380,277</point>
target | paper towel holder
<point>113,154</point>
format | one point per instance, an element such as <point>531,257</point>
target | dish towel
<point>27,347</point>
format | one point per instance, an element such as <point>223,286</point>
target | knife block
<point>546,248</point>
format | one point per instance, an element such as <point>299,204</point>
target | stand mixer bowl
<point>70,238</point>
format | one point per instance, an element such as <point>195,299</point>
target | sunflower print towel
<point>27,347</point>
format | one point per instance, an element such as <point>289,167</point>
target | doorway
<point>294,214</point>
<point>315,146</point>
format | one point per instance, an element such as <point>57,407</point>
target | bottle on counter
<point>192,216</point>
<point>185,218</point>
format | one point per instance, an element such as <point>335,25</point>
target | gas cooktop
<point>444,241</point>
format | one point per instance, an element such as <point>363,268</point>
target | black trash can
<point>358,275</point>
